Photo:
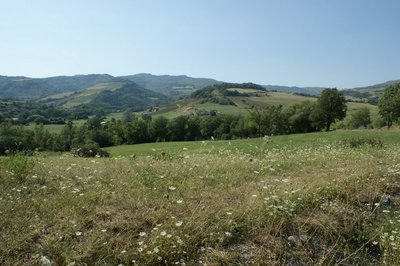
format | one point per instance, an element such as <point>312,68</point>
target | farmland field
<point>321,198</point>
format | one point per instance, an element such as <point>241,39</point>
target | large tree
<point>331,106</point>
<point>389,104</point>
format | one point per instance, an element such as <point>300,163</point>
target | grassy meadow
<point>307,199</point>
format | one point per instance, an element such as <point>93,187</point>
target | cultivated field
<point>321,198</point>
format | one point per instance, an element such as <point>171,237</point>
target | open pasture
<point>323,198</point>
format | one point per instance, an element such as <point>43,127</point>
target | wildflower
<point>172,188</point>
<point>228,233</point>
<point>163,233</point>
<point>156,250</point>
<point>45,261</point>
<point>178,223</point>
<point>179,201</point>
<point>142,233</point>
<point>123,251</point>
<point>78,233</point>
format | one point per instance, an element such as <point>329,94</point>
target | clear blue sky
<point>332,43</point>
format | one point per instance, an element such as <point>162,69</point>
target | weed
<point>18,166</point>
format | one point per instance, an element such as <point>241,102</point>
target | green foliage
<point>360,118</point>
<point>129,96</point>
<point>223,89</point>
<point>379,122</point>
<point>23,112</point>
<point>89,150</point>
<point>331,106</point>
<point>18,166</point>
<point>359,142</point>
<point>299,117</point>
<point>389,104</point>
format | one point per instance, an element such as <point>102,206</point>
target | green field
<point>243,104</point>
<point>314,199</point>
<point>251,146</point>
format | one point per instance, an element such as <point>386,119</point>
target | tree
<point>158,129</point>
<point>331,106</point>
<point>256,116</point>
<point>299,117</point>
<point>389,104</point>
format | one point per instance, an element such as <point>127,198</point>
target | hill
<point>313,91</point>
<point>231,100</point>
<point>370,94</point>
<point>36,88</point>
<point>171,86</point>
<point>115,97</point>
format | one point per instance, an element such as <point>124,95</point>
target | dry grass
<point>291,205</point>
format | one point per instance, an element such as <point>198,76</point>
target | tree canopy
<point>331,106</point>
<point>389,104</point>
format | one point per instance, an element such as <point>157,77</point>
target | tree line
<point>133,129</point>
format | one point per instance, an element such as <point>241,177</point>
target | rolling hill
<point>370,94</point>
<point>171,86</point>
<point>36,88</point>
<point>108,97</point>
<point>232,98</point>
<point>313,91</point>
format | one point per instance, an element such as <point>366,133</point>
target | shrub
<point>358,142</point>
<point>90,150</point>
<point>379,122</point>
<point>19,166</point>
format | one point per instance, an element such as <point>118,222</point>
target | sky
<point>325,43</point>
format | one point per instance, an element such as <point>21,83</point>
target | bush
<point>19,166</point>
<point>358,142</point>
<point>360,118</point>
<point>89,150</point>
<point>379,122</point>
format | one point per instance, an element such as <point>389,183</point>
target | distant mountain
<point>23,88</point>
<point>377,87</point>
<point>171,86</point>
<point>77,82</point>
<point>66,89</point>
<point>314,91</point>
<point>35,88</point>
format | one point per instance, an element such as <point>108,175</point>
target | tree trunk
<point>328,127</point>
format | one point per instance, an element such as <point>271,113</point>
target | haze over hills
<point>35,88</point>
<point>75,90</point>
<point>172,86</point>
<point>370,94</point>
<point>293,89</point>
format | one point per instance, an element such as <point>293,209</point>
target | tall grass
<point>263,202</point>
